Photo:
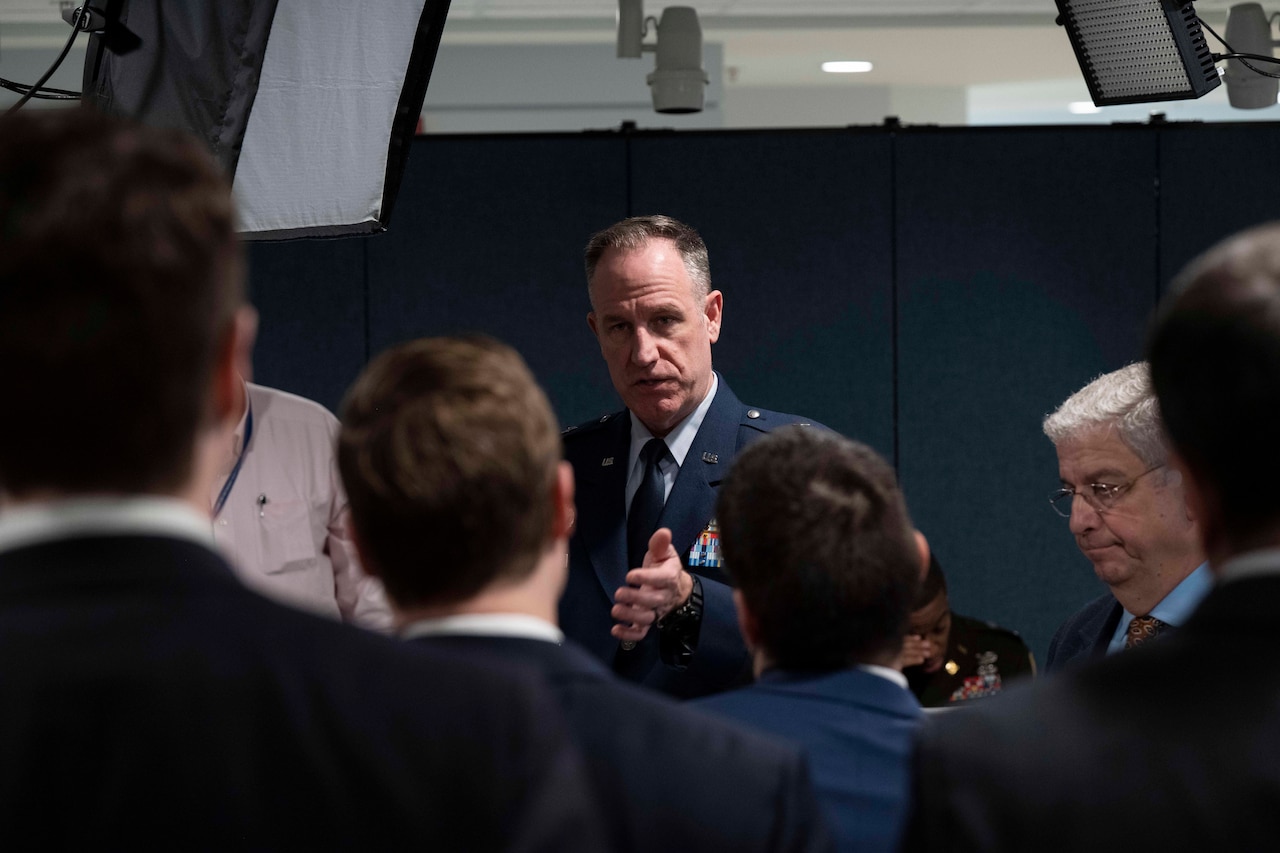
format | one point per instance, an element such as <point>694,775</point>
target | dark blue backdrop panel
<point>487,237</point>
<point>1026,262</point>
<point>1215,180</point>
<point>798,227</point>
<point>310,298</point>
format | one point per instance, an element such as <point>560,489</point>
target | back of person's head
<point>816,536</point>
<point>449,452</point>
<point>1215,362</point>
<point>120,275</point>
<point>1122,400</point>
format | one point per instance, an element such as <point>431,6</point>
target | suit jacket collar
<point>107,561</point>
<point>558,663</point>
<point>846,687</point>
<point>1097,632</point>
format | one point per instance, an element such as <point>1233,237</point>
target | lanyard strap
<point>244,451</point>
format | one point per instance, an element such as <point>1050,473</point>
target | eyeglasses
<point>1100,496</point>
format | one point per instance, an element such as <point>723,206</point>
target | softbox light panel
<point>1135,51</point>
<point>310,105</point>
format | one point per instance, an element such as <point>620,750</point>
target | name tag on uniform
<point>706,548</point>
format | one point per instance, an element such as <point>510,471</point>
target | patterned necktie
<point>1141,629</point>
<point>646,505</point>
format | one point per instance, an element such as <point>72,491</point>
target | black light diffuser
<point>310,105</point>
<point>1135,51</point>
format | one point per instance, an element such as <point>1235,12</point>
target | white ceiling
<point>766,44</point>
<point>788,13</point>
<point>768,8</point>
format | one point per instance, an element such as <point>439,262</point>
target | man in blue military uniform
<point>646,591</point>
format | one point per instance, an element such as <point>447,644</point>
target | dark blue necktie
<point>646,505</point>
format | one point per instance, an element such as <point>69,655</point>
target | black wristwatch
<point>678,630</point>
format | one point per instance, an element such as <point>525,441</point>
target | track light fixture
<point>1249,87</point>
<point>678,82</point>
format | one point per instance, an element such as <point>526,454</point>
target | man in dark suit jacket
<point>817,537</point>
<point>1126,510</point>
<point>147,699</point>
<point>1172,746</point>
<point>1085,634</point>
<point>463,506</point>
<point>655,316</point>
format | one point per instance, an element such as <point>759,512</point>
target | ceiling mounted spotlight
<point>1249,31</point>
<point>678,82</point>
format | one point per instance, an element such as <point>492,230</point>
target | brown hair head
<point>816,535</point>
<point>1215,363</point>
<point>120,276</point>
<point>448,452</point>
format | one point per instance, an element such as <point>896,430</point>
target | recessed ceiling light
<point>847,67</point>
<point>1083,108</point>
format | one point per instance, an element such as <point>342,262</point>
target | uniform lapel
<point>602,514</point>
<point>692,501</point>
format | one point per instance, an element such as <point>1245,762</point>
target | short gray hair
<point>1124,400</point>
<point>638,231</point>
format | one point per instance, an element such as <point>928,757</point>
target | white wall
<point>544,87</point>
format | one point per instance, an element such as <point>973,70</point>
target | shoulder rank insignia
<point>706,548</point>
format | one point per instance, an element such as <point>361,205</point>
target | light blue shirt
<point>1174,608</point>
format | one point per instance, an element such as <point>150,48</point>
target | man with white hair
<point>1128,515</point>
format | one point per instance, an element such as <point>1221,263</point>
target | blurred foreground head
<point>1215,362</point>
<point>120,279</point>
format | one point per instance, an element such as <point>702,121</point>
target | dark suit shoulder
<point>1081,634</point>
<point>719,786</point>
<point>217,698</point>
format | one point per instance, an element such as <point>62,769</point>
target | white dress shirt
<point>519,625</point>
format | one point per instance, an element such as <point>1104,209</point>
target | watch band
<point>678,631</point>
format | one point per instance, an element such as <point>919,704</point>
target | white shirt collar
<point>885,672</point>
<point>681,437</point>
<point>27,524</point>
<point>485,625</point>
<point>1252,564</point>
